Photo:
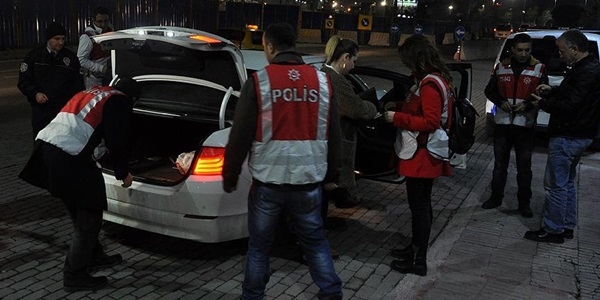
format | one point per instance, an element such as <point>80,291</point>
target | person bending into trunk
<point>64,163</point>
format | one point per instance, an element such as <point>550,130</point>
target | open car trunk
<point>173,115</point>
<point>156,142</point>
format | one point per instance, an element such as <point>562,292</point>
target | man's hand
<point>41,98</point>
<point>127,180</point>
<point>543,89</point>
<point>389,116</point>
<point>229,188</point>
<point>505,106</point>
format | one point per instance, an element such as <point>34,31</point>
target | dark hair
<point>574,37</point>
<point>521,38</point>
<point>419,55</point>
<point>128,86</point>
<point>100,10</point>
<point>282,36</point>
<point>338,46</point>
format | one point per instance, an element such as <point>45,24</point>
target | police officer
<point>510,88</point>
<point>64,163</point>
<point>287,121</point>
<point>49,77</point>
<point>94,60</point>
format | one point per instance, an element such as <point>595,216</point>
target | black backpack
<point>461,135</point>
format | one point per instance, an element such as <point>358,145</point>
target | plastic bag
<point>184,161</point>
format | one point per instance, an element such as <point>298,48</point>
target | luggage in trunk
<point>156,142</point>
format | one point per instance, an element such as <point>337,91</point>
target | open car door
<point>375,155</point>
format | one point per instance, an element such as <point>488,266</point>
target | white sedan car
<point>190,84</point>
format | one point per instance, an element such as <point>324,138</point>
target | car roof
<point>256,60</point>
<point>539,34</point>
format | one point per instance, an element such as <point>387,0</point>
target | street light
<point>450,8</point>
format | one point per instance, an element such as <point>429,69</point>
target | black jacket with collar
<point>574,105</point>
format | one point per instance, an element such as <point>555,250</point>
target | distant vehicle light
<point>210,161</point>
<point>204,39</point>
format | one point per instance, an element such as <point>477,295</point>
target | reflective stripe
<point>285,161</point>
<point>266,105</point>
<point>506,88</point>
<point>72,128</point>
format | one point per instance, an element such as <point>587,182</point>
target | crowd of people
<point>296,173</point>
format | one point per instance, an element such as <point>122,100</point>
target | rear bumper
<point>195,228</point>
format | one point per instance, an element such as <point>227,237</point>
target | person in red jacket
<point>417,117</point>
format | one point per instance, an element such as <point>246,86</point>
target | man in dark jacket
<point>64,163</point>
<point>574,108</point>
<point>49,76</point>
<point>287,122</point>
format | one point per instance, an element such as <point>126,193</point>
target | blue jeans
<point>560,208</point>
<point>266,204</point>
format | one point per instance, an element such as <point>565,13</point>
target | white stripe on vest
<point>69,131</point>
<point>524,119</point>
<point>287,161</point>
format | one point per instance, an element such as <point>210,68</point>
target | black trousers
<point>522,140</point>
<point>418,191</point>
<point>84,244</point>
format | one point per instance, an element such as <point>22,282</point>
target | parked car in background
<point>247,38</point>
<point>543,48</point>
<point>502,31</point>
<point>190,83</point>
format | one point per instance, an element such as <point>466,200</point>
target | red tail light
<point>210,161</point>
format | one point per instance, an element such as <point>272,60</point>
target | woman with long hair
<point>420,115</point>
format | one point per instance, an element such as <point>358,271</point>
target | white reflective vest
<point>437,142</point>
<point>517,90</point>
<point>72,128</point>
<point>290,145</point>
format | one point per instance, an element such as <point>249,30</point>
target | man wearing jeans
<point>574,108</point>
<point>285,119</point>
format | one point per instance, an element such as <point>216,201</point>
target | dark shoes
<point>493,202</point>
<point>526,212</point>
<point>542,236</point>
<point>411,260</point>
<point>343,199</point>
<point>83,282</point>
<point>568,234</point>
<point>105,261</point>
<point>403,253</point>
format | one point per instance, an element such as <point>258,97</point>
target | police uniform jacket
<point>56,76</point>
<point>574,105</point>
<point>350,108</point>
<point>515,82</point>
<point>63,158</point>
<point>246,121</point>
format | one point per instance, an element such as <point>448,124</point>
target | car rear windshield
<point>546,51</point>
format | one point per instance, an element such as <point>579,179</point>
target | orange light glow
<point>204,39</point>
<point>210,161</point>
